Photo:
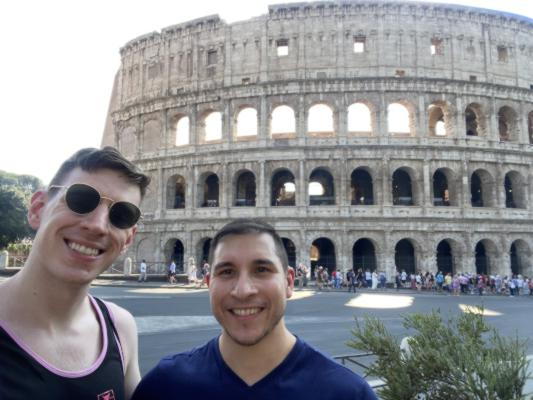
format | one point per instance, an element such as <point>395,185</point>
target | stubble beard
<point>258,339</point>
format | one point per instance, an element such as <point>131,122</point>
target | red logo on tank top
<point>109,395</point>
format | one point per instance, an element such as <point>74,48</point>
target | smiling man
<point>255,356</point>
<point>57,341</point>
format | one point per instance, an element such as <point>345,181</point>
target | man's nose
<point>244,286</point>
<point>98,219</point>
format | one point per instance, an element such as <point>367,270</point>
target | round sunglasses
<point>83,199</point>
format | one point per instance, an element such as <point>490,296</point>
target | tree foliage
<point>15,194</point>
<point>461,359</point>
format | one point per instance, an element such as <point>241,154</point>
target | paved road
<point>175,319</point>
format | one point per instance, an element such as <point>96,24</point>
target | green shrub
<point>460,359</point>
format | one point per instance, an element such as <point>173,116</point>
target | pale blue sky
<point>59,58</point>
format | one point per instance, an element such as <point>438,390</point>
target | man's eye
<point>225,272</point>
<point>262,269</point>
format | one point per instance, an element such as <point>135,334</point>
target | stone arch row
<point>448,255</point>
<point>322,118</point>
<point>406,188</point>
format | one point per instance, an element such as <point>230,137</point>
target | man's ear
<point>290,282</point>
<point>35,210</point>
<point>129,239</point>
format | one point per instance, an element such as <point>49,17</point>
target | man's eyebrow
<point>222,264</point>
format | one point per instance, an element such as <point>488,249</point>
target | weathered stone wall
<point>479,57</point>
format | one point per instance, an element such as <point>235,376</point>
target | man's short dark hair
<point>92,159</point>
<point>247,227</point>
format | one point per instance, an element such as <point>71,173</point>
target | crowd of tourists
<point>456,284</point>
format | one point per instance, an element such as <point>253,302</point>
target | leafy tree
<point>15,194</point>
<point>460,359</point>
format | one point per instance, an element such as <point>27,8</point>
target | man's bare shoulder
<point>122,318</point>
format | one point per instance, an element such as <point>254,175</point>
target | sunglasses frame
<point>112,203</point>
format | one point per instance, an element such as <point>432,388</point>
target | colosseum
<point>371,134</point>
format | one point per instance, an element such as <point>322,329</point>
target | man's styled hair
<point>92,159</point>
<point>247,227</point>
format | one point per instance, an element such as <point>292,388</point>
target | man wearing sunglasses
<point>57,341</point>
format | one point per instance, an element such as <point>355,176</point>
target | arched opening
<point>210,191</point>
<point>399,119</point>
<point>245,190</point>
<point>506,123</point>
<point>404,256</point>
<point>321,188</point>
<point>482,189</point>
<point>445,257</point>
<point>364,255</point>
<point>176,192</point>
<point>359,118</point>
<point>283,189</point>
<point>320,119</point>
<point>174,252</point>
<point>474,120</point>
<point>182,131</point>
<point>482,259</point>
<point>247,122</point>
<point>437,123</point>
<point>515,196</point>
<point>520,258</point>
<point>283,121</point>
<point>322,253</point>
<point>213,126</point>
<point>441,193</point>
<point>530,127</point>
<point>204,251</point>
<point>290,248</point>
<point>402,192</point>
<point>361,187</point>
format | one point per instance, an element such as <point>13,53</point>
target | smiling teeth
<point>243,312</point>
<point>83,249</point>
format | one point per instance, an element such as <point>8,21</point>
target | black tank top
<point>24,376</point>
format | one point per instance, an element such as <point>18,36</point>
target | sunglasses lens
<point>124,215</point>
<point>82,199</point>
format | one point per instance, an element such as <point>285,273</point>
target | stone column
<point>301,198</point>
<point>160,196</point>
<point>459,118</point>
<point>262,194</point>
<point>386,184</point>
<point>466,195</point>
<point>427,200</point>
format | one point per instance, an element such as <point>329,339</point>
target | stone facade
<point>449,187</point>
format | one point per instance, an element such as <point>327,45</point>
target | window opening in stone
<point>530,127</point>
<point>399,73</point>
<point>482,260</point>
<point>441,194</point>
<point>290,249</point>
<point>359,44</point>
<point>476,191</point>
<point>471,122</point>
<point>508,185</point>
<point>320,119</point>
<point>189,65</point>
<point>437,126</point>
<point>436,47</point>
<point>322,254</point>
<point>245,190</point>
<point>182,131</point>
<point>361,188</point>
<point>321,188</point>
<point>211,191</point>
<point>247,122</point>
<point>404,256</point>
<point>402,193</point>
<point>211,57</point>
<point>364,255</point>
<point>283,121</point>
<point>506,122</point>
<point>213,126</point>
<point>519,257</point>
<point>503,54</point>
<point>282,46</point>
<point>283,189</point>
<point>359,118</point>
<point>398,119</point>
<point>473,78</point>
<point>174,252</point>
<point>204,256</point>
<point>444,257</point>
<point>176,192</point>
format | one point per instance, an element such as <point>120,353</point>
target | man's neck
<point>33,300</point>
<point>253,363</point>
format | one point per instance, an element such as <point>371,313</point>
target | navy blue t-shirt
<point>201,373</point>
